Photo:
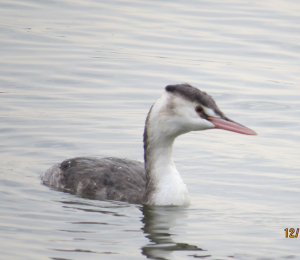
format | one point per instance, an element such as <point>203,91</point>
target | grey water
<point>77,78</point>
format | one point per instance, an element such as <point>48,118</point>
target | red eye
<point>199,109</point>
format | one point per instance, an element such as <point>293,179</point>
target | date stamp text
<point>291,232</point>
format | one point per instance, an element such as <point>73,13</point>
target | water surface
<point>77,78</point>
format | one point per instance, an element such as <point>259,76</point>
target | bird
<point>181,108</point>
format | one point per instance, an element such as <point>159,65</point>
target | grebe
<point>180,109</point>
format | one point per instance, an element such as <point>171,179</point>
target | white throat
<point>164,183</point>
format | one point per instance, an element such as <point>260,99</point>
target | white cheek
<point>189,119</point>
<point>202,124</point>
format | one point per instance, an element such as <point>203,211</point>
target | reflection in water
<point>159,220</point>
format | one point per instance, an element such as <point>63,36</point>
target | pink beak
<point>230,126</point>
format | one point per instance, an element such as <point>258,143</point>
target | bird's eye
<point>199,109</point>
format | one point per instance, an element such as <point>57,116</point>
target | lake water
<point>77,78</point>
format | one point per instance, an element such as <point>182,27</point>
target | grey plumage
<point>104,179</point>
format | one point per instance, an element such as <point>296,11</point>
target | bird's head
<point>184,108</point>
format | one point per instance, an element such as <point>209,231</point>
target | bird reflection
<point>158,222</point>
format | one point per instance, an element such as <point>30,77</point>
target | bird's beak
<point>230,125</point>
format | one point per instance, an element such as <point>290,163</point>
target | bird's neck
<point>164,183</point>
